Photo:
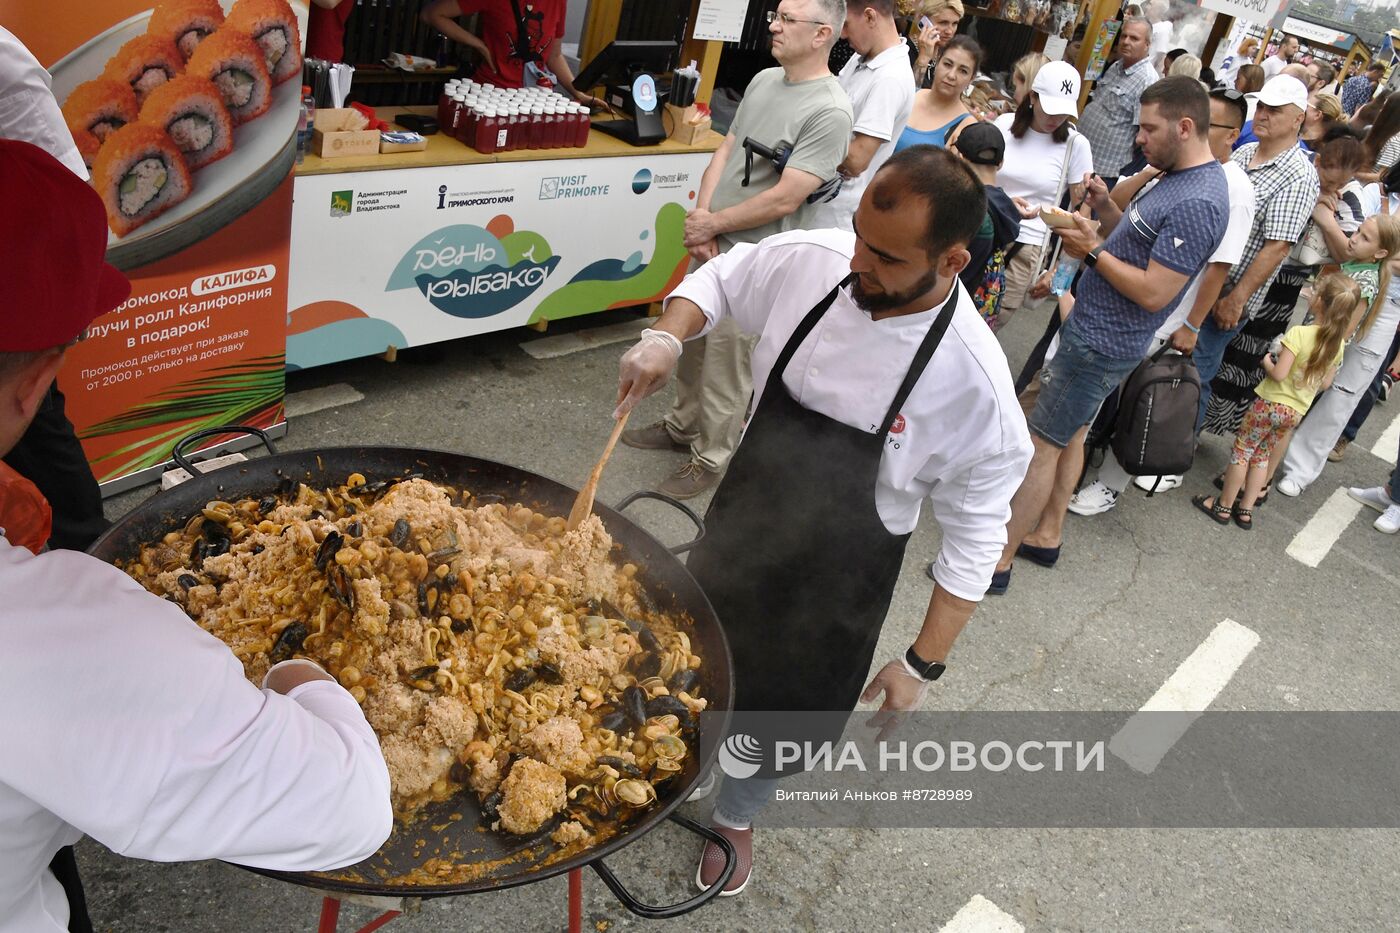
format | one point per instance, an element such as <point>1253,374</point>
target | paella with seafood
<point>491,649</point>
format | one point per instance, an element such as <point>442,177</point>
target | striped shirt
<point>1285,192</point>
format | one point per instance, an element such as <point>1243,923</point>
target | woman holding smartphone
<point>938,22</point>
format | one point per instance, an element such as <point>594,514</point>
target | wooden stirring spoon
<point>583,505</point>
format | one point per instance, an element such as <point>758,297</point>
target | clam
<point>633,792</point>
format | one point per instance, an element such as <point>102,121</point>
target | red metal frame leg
<point>576,900</point>
<point>379,921</point>
<point>330,915</point>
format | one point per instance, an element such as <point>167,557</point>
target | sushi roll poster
<point>184,112</point>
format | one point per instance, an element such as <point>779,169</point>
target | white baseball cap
<point>1281,90</point>
<point>1057,85</point>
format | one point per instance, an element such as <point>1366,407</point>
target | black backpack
<point>1155,431</point>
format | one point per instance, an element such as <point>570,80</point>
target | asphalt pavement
<point>1137,591</point>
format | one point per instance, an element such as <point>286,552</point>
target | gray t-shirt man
<point>814,117</point>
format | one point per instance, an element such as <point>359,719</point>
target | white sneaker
<point>1094,499</point>
<point>1289,487</point>
<point>1170,481</point>
<point>1372,496</point>
<point>1389,522</point>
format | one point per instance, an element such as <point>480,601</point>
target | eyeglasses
<point>1225,126</point>
<point>789,20</point>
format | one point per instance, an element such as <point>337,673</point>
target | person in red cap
<point>122,719</point>
<point>49,455</point>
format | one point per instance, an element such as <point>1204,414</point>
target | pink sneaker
<point>712,861</point>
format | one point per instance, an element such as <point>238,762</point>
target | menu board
<point>721,20</point>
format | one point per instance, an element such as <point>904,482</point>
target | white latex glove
<point>904,693</point>
<point>645,368</point>
<point>284,676</point>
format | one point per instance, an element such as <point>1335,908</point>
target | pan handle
<point>177,452</point>
<point>675,503</point>
<point>653,912</point>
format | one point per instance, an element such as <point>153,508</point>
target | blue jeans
<point>1395,477</point>
<point>1210,350</point>
<point>740,800</point>
<point>1073,386</point>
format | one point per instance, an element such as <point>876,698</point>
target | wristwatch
<point>1091,258</point>
<point>928,670</point>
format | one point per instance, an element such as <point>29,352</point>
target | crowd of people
<point>1248,223</point>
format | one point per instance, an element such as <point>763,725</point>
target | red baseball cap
<point>53,264</point>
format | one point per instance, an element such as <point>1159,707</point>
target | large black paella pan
<point>493,859</point>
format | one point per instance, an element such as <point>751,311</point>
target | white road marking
<point>548,348</point>
<point>1386,445</point>
<point>312,400</point>
<point>1311,545</point>
<point>980,915</point>
<point>1148,736</point>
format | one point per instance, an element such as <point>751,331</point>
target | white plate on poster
<point>263,152</point>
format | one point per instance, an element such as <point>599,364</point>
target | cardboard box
<point>331,140</point>
<point>393,142</point>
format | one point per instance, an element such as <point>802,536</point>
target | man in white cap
<point>1285,191</point>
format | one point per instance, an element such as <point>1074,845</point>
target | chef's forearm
<point>683,319</point>
<point>946,616</point>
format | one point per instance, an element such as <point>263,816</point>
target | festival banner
<point>406,257</point>
<point>198,192</point>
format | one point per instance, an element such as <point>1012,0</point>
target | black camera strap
<point>521,47</point>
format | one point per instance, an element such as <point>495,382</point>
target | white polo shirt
<point>960,441</point>
<point>125,721</point>
<point>881,90</point>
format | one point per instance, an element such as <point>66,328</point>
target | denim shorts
<point>1073,385</point>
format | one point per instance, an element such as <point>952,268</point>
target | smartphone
<point>925,22</point>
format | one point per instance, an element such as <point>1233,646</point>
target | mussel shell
<point>667,704</point>
<point>340,587</point>
<point>327,551</point>
<point>684,681</point>
<point>400,534</point>
<point>634,704</point>
<point>646,666</point>
<point>521,679</point>
<point>353,529</point>
<point>423,672</point>
<point>645,637</point>
<point>187,580</point>
<point>549,673</point>
<point>267,504</point>
<point>490,807</point>
<point>288,642</point>
<point>459,626</point>
<point>614,721</point>
<point>626,767</point>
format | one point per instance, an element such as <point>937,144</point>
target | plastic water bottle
<point>1064,275</point>
<point>304,123</point>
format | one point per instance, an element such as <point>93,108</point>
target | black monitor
<point>623,60</point>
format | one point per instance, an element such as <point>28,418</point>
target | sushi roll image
<point>140,174</point>
<point>88,145</point>
<point>95,109</point>
<point>144,64</point>
<point>186,22</point>
<point>273,26</point>
<point>235,64</point>
<point>191,111</point>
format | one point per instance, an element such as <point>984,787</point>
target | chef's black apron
<point>796,561</point>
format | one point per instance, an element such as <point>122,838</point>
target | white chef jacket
<point>123,720</point>
<point>881,90</point>
<point>28,111</point>
<point>961,440</point>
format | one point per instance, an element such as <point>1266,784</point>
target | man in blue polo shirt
<point>1132,282</point>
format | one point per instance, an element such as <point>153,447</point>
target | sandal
<point>1244,518</point>
<point>1219,483</point>
<point>1217,512</point>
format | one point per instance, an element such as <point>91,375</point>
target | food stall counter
<point>445,150</point>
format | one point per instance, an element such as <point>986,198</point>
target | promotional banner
<point>407,257</point>
<point>187,123</point>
